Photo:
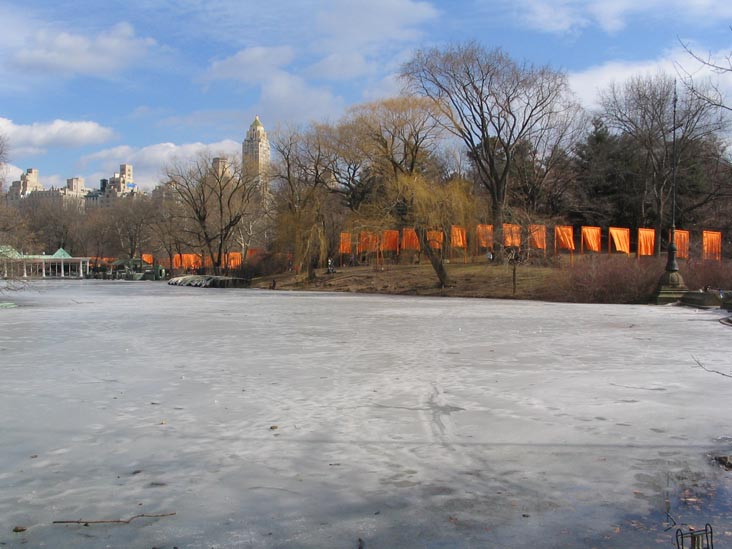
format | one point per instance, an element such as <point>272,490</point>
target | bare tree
<point>493,104</point>
<point>377,141</point>
<point>644,109</point>
<point>703,88</point>
<point>348,162</point>
<point>97,230</point>
<point>169,223</point>
<point>131,216</point>
<point>398,135</point>
<point>215,194</point>
<point>302,177</point>
<point>55,222</point>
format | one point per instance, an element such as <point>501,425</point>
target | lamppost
<point>671,287</point>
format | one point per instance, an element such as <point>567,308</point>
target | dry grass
<point>590,279</point>
<point>467,280</point>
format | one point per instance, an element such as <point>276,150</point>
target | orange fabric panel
<point>646,241</point>
<point>147,258</point>
<point>410,240</point>
<point>390,241</point>
<point>537,237</point>
<point>620,237</point>
<point>591,238</point>
<point>232,260</point>
<point>511,235</point>
<point>186,261</point>
<point>712,245</point>
<point>681,240</point>
<point>367,242</point>
<point>484,236</point>
<point>457,237</point>
<point>435,238</point>
<point>345,245</point>
<point>563,237</point>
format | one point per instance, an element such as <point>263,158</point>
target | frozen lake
<point>276,419</point>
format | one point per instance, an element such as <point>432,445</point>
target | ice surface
<point>277,419</point>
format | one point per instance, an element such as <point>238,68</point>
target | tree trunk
<point>435,258</point>
<point>498,251</point>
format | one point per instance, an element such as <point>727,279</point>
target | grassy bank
<point>589,279</point>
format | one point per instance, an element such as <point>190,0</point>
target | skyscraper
<point>256,156</point>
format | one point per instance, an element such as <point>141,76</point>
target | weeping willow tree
<point>429,205</point>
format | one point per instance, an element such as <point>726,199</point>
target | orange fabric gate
<point>511,235</point>
<point>591,238</point>
<point>390,241</point>
<point>681,240</point>
<point>712,245</point>
<point>646,241</point>
<point>484,236</point>
<point>435,239</point>
<point>410,240</point>
<point>620,237</point>
<point>457,237</point>
<point>187,261</point>
<point>367,242</point>
<point>537,237</point>
<point>563,238</point>
<point>344,247</point>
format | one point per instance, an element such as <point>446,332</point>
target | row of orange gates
<point>536,238</point>
<point>231,260</point>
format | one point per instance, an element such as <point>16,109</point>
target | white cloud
<point>284,96</point>
<point>341,66</point>
<point>54,180</point>
<point>36,138</point>
<point>290,98</point>
<point>9,173</point>
<point>49,51</point>
<point>389,86</point>
<point>149,162</point>
<point>361,25</point>
<point>251,65</point>
<point>589,83</point>
<point>208,122</point>
<point>561,16</point>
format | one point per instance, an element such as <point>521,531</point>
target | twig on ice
<point>112,521</point>
<point>707,369</point>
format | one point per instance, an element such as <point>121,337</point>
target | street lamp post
<point>671,287</point>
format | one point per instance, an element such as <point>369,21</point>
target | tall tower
<point>255,155</point>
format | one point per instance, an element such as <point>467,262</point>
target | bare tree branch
<point>112,521</point>
<point>700,365</point>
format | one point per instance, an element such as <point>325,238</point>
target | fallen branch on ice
<point>111,521</point>
<point>707,369</point>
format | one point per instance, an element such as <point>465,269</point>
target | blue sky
<point>88,85</point>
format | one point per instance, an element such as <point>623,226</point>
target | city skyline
<point>84,90</point>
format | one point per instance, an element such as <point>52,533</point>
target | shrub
<point>699,273</point>
<point>612,279</point>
